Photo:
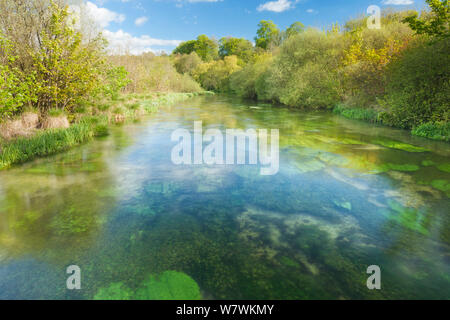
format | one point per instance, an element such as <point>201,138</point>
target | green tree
<point>436,25</point>
<point>206,48</point>
<point>67,71</point>
<point>15,87</point>
<point>186,63</point>
<point>294,29</point>
<point>239,47</point>
<point>268,34</point>
<point>186,47</point>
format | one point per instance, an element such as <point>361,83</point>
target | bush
<point>244,82</point>
<point>435,131</point>
<point>418,88</point>
<point>187,63</point>
<point>15,88</point>
<point>149,73</point>
<point>215,75</point>
<point>304,73</point>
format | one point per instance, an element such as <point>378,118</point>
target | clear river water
<point>348,195</point>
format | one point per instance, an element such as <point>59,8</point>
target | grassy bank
<point>369,115</point>
<point>94,122</point>
<point>439,131</point>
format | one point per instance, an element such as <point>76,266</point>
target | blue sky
<point>155,25</point>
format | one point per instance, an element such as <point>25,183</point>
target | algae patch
<point>170,285</point>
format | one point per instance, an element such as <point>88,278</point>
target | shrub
<point>215,75</point>
<point>418,88</point>
<point>435,131</point>
<point>244,82</point>
<point>15,88</point>
<point>304,73</point>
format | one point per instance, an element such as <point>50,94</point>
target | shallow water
<point>348,195</point>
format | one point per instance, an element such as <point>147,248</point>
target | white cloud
<point>276,6</point>
<point>140,21</point>
<point>398,2</point>
<point>123,41</point>
<point>103,16</point>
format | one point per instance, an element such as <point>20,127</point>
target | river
<point>348,195</point>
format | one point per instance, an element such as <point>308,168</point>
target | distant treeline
<point>398,75</point>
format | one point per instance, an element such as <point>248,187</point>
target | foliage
<point>418,85</point>
<point>434,25</point>
<point>294,29</point>
<point>268,34</point>
<point>304,72</point>
<point>15,87</point>
<point>215,75</point>
<point>245,82</point>
<point>368,54</point>
<point>435,131</point>
<point>187,63</point>
<point>239,47</point>
<point>66,70</point>
<point>205,47</point>
<point>115,79</point>
<point>357,113</point>
<point>150,73</point>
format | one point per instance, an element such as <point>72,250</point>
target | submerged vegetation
<point>170,285</point>
<point>345,197</point>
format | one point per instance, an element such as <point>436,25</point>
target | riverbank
<point>434,131</point>
<point>90,122</point>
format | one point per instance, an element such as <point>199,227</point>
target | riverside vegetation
<point>59,87</point>
<point>397,75</point>
<point>56,75</point>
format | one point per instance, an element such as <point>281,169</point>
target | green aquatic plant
<point>442,185</point>
<point>72,222</point>
<point>116,291</point>
<point>289,262</point>
<point>399,167</point>
<point>344,204</point>
<point>407,217</point>
<point>428,163</point>
<point>170,285</point>
<point>444,167</point>
<point>392,144</point>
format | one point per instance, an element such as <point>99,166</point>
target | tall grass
<point>358,113</point>
<point>44,143</point>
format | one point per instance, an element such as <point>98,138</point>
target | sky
<point>160,25</point>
